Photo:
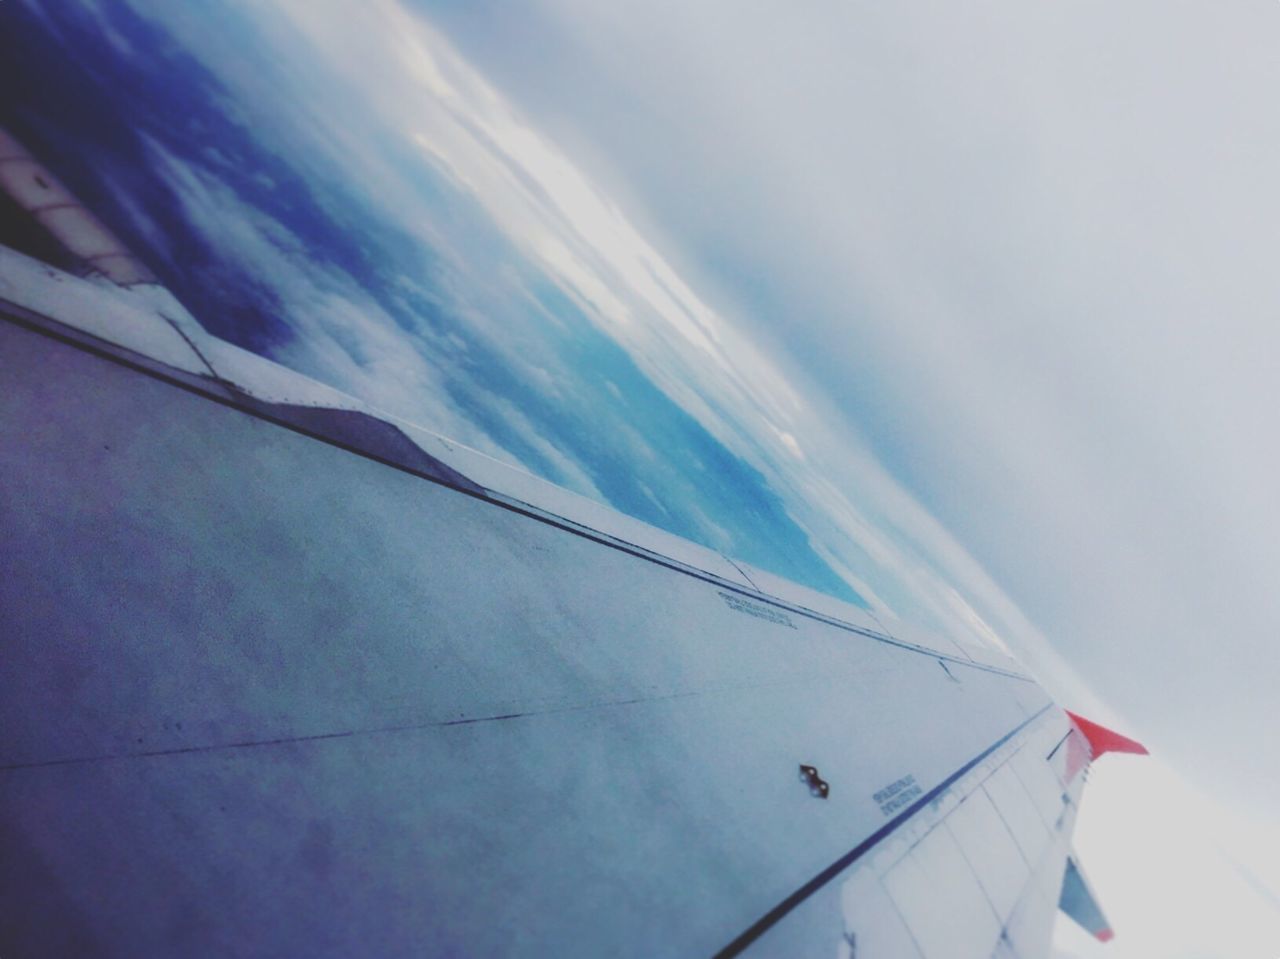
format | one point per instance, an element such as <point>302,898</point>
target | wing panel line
<point>778,912</point>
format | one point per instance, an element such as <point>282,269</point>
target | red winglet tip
<point>1104,935</point>
<point>1103,740</point>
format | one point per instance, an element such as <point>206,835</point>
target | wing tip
<point>1104,740</point>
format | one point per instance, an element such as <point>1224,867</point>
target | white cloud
<point>342,336</point>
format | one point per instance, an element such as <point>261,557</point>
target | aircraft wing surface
<point>286,676</point>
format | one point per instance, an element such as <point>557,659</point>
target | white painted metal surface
<point>990,849</point>
<point>1006,792</point>
<point>106,312</point>
<point>873,925</point>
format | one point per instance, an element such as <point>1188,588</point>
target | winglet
<point>1103,740</point>
<point>1078,901</point>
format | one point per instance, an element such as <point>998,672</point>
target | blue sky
<point>968,313</point>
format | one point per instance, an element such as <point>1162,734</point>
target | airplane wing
<point>284,675</point>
